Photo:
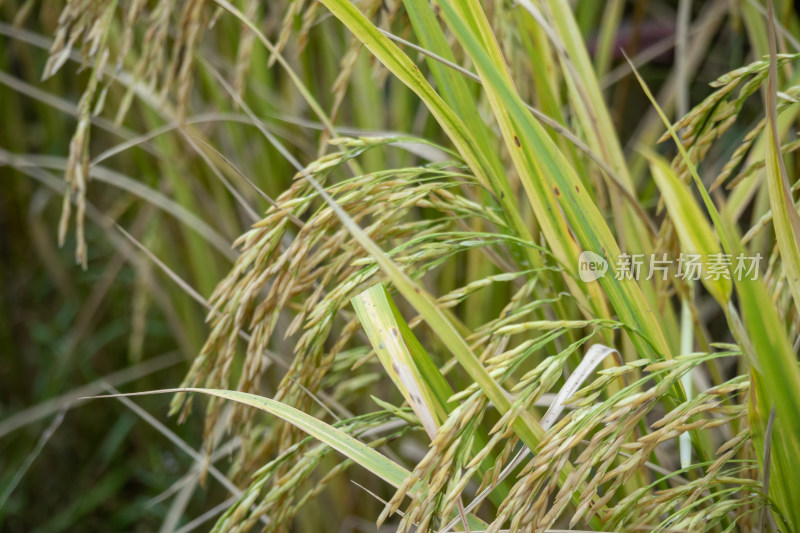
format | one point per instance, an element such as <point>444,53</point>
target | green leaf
<point>452,86</point>
<point>694,232</point>
<point>784,214</point>
<point>403,358</point>
<point>401,355</point>
<point>337,439</point>
<point>569,218</point>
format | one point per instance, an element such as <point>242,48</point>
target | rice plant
<point>482,266</point>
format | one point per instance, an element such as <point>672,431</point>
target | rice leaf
<point>352,448</point>
<point>784,214</point>
<point>569,218</point>
<point>694,232</point>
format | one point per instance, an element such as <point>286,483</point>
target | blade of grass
<point>352,448</point>
<point>137,188</point>
<point>451,85</point>
<point>609,28</point>
<point>547,120</point>
<point>40,444</point>
<point>174,438</point>
<point>554,190</point>
<point>405,360</point>
<point>397,346</point>
<point>595,119</point>
<point>694,232</point>
<point>784,214</point>
<point>53,405</point>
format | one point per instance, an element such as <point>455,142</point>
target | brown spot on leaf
<point>555,190</point>
<point>516,140</point>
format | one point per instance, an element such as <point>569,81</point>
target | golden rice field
<point>399,265</point>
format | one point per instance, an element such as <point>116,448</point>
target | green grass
<point>368,220</point>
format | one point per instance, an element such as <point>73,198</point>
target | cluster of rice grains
<point>710,119</point>
<point>611,444</point>
<point>299,257</point>
<point>151,55</point>
<point>275,489</point>
<point>614,440</point>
